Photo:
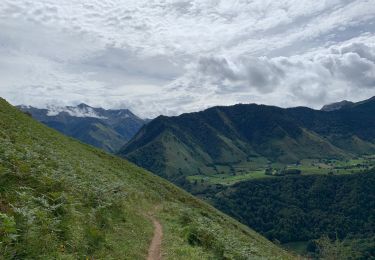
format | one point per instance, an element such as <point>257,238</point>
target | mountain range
<point>220,139</point>
<point>105,129</point>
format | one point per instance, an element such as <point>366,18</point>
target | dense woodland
<point>305,208</point>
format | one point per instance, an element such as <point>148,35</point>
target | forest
<point>305,208</point>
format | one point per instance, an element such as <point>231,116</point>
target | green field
<point>228,179</point>
<point>256,168</point>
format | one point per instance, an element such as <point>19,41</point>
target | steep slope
<point>60,199</point>
<point>106,129</point>
<point>234,136</point>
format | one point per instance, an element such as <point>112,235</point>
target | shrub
<point>8,234</point>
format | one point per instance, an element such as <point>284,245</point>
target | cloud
<point>238,75</point>
<point>174,56</point>
<point>345,70</point>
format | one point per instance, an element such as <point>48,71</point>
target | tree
<point>268,171</point>
<point>333,250</point>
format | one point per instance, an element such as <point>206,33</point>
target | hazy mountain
<point>337,106</point>
<point>237,135</point>
<point>106,129</point>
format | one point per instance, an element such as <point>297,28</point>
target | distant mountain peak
<point>83,105</point>
<point>337,106</point>
<point>82,110</point>
<point>107,129</point>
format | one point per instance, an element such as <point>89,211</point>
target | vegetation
<point>228,140</point>
<point>292,174</point>
<point>334,249</point>
<point>304,208</point>
<point>266,169</point>
<point>60,199</point>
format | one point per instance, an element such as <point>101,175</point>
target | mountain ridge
<point>337,106</point>
<point>106,129</point>
<point>232,135</point>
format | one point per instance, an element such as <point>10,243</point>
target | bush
<point>292,171</point>
<point>8,234</point>
<point>334,249</point>
<point>7,226</point>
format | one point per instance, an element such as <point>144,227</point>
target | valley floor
<point>257,169</point>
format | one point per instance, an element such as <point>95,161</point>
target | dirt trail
<point>154,251</point>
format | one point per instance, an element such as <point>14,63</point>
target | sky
<point>175,56</point>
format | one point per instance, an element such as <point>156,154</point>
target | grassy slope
<point>198,143</point>
<point>180,160</point>
<point>106,138</point>
<point>62,199</point>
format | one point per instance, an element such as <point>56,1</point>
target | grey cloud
<point>263,73</point>
<point>218,67</point>
<point>361,49</point>
<point>314,78</point>
<point>354,63</point>
<point>260,73</point>
<point>358,70</point>
<point>127,60</point>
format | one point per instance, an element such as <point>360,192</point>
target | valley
<point>257,169</point>
<point>298,176</point>
<point>250,138</point>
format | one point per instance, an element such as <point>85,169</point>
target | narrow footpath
<point>154,251</point>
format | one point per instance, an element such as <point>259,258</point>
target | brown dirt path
<point>154,251</point>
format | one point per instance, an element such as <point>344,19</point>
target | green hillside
<point>249,138</point>
<point>61,199</point>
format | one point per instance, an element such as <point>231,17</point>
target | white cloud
<point>173,56</point>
